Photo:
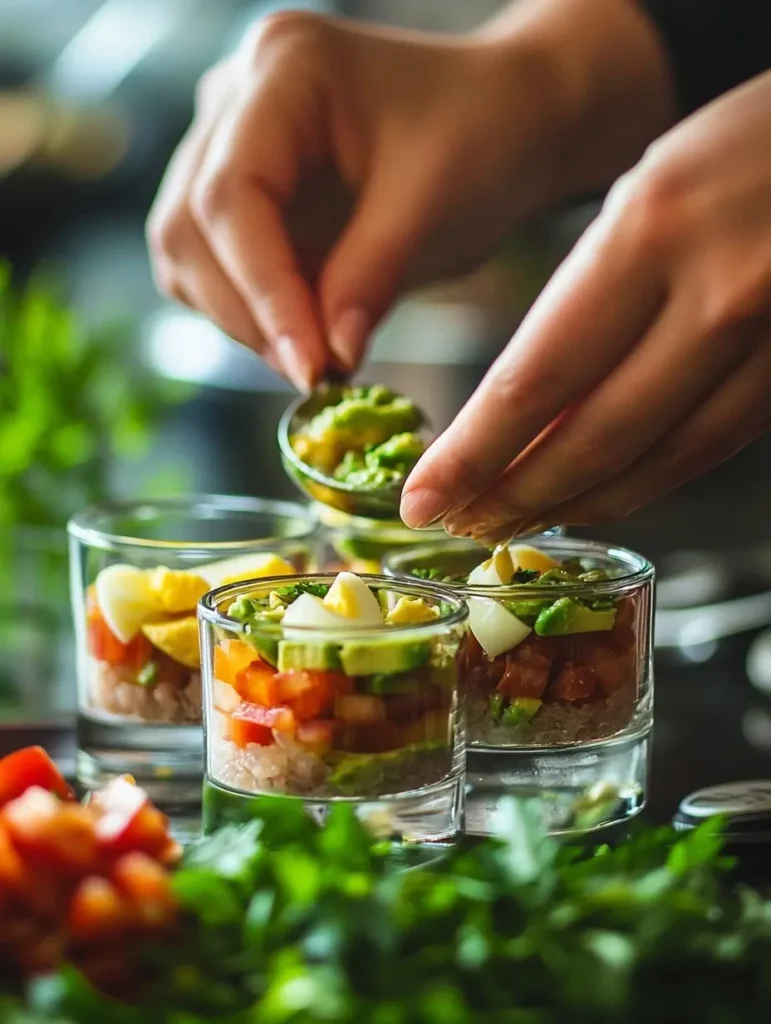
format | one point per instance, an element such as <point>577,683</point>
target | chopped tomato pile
<point>321,710</point>
<point>574,668</point>
<point>78,882</point>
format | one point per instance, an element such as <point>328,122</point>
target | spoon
<point>381,503</point>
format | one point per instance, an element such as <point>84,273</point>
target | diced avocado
<point>402,682</point>
<point>386,657</point>
<point>148,675</point>
<point>527,611</point>
<point>497,702</point>
<point>520,710</point>
<point>314,657</point>
<point>266,646</point>
<point>567,616</point>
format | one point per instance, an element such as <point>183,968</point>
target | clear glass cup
<point>362,545</point>
<point>564,713</point>
<point>366,715</point>
<point>137,570</point>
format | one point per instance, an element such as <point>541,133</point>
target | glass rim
<point>208,611</point>
<point>83,526</point>
<point>333,519</point>
<point>641,569</point>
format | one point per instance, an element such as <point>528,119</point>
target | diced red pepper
<point>105,646</point>
<point>146,884</point>
<point>527,672</point>
<point>360,708</point>
<point>128,821</point>
<point>614,670</point>
<point>31,766</point>
<point>258,684</point>
<point>12,872</point>
<point>573,682</point>
<point>98,910</point>
<point>50,832</point>
<point>317,735</point>
<point>230,658</point>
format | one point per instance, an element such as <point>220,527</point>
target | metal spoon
<point>382,503</point>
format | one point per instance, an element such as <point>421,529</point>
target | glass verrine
<point>368,714</point>
<point>362,545</point>
<point>137,570</point>
<point>558,677</point>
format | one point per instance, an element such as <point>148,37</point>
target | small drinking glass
<point>137,570</point>
<point>560,691</point>
<point>368,715</point>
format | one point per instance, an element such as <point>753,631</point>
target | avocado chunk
<point>568,616</point>
<point>520,710</point>
<point>386,657</point>
<point>266,646</point>
<point>313,657</point>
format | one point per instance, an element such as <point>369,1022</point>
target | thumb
<point>365,269</point>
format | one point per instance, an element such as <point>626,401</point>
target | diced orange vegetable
<point>317,734</point>
<point>359,708</point>
<point>60,835</point>
<point>573,682</point>
<point>31,766</point>
<point>146,884</point>
<point>258,684</point>
<point>12,873</point>
<point>104,646</point>
<point>527,672</point>
<point>98,910</point>
<point>230,658</point>
<point>309,694</point>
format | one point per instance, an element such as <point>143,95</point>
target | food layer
<point>300,706</point>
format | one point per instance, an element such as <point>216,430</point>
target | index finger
<point>250,172</point>
<point>589,315</point>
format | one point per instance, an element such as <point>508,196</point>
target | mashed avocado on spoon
<point>367,439</point>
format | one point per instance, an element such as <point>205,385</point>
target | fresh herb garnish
<point>290,593</point>
<point>288,922</point>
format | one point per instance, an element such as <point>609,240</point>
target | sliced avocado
<point>520,710</point>
<point>386,657</point>
<point>314,657</point>
<point>568,616</point>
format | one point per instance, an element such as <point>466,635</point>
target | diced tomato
<point>146,884</point>
<point>128,821</point>
<point>104,646</point>
<point>258,684</point>
<point>527,672</point>
<point>622,639</point>
<point>371,737</point>
<point>614,670</point>
<point>50,832</point>
<point>311,694</point>
<point>358,708</point>
<point>317,735</point>
<point>573,682</point>
<point>626,613</point>
<point>471,655</point>
<point>98,910</point>
<point>252,723</point>
<point>230,658</point>
<point>31,766</point>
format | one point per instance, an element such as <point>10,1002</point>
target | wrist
<point>583,88</point>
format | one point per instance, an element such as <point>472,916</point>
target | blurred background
<point>105,389</point>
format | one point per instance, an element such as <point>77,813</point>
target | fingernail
<point>346,338</point>
<point>422,507</point>
<point>294,362</point>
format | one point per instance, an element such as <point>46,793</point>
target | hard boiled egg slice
<point>496,628</point>
<point>351,598</point>
<point>525,557</point>
<point>126,599</point>
<point>244,567</point>
<point>310,612</point>
<point>485,575</point>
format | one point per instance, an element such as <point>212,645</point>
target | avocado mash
<point>367,439</point>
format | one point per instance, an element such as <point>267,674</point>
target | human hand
<point>647,358</point>
<point>309,116</point>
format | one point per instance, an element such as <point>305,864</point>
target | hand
<point>309,115</point>
<point>647,358</point>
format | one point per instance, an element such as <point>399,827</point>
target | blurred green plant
<point>72,400</point>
